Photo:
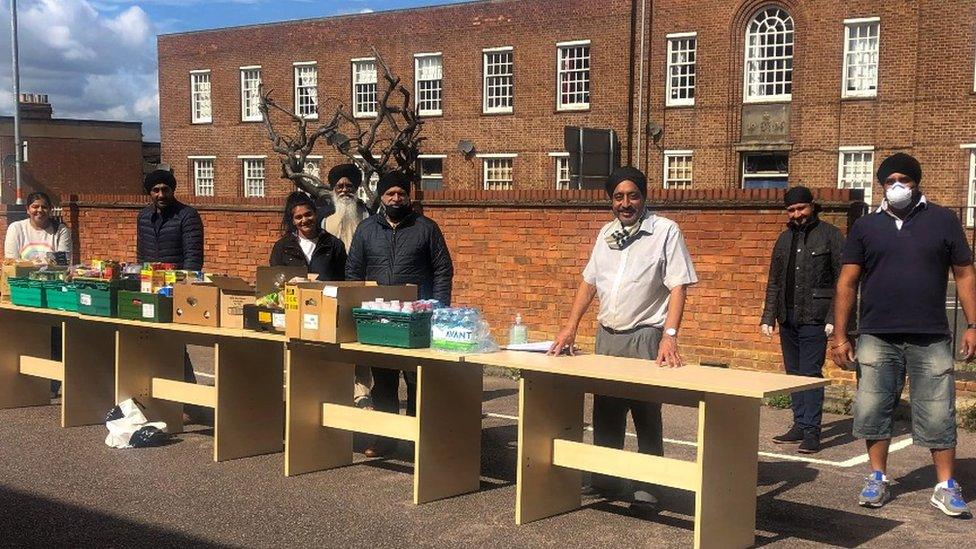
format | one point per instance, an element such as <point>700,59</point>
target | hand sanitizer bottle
<point>518,333</point>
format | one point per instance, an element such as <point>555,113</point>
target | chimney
<point>35,106</point>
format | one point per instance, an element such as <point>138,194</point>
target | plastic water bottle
<point>518,333</point>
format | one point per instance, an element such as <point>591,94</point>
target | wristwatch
<point>672,332</point>
<point>971,325</point>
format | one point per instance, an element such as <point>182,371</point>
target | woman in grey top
<point>33,238</point>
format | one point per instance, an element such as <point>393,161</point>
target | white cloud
<point>93,60</point>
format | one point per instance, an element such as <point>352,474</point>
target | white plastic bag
<point>129,428</point>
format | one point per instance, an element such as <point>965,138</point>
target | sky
<point>96,59</point>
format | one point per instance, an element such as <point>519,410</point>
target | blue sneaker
<point>948,499</point>
<point>875,491</point>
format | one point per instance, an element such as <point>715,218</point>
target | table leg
<point>550,407</point>
<point>728,447</point>
<point>250,411</point>
<point>19,337</point>
<point>88,392</point>
<point>141,355</point>
<point>310,381</point>
<point>447,453</point>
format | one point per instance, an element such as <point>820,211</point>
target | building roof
<point>335,17</point>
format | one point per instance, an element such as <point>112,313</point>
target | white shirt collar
<point>884,205</point>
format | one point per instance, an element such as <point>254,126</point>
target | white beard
<point>349,213</point>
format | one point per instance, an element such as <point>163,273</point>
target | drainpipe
<point>640,85</point>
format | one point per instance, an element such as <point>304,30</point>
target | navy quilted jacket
<point>175,236</point>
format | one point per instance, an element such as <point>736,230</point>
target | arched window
<point>769,56</point>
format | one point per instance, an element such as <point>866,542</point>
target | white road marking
<point>854,461</point>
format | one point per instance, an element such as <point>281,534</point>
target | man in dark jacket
<point>799,296</point>
<point>399,246</point>
<point>168,231</point>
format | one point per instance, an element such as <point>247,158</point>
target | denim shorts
<point>883,362</point>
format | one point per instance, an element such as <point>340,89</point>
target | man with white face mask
<point>901,256</point>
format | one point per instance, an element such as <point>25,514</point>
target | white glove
<point>829,329</point>
<point>767,330</point>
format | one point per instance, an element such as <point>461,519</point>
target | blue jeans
<point>804,347</point>
<point>883,363</point>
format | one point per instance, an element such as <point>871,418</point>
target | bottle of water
<point>518,333</point>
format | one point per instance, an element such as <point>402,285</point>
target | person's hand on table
<point>563,343</point>
<point>667,353</point>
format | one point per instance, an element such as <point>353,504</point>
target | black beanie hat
<point>392,179</point>
<point>900,163</point>
<point>798,195</point>
<point>627,173</point>
<point>349,171</point>
<point>159,176</point>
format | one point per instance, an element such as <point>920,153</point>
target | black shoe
<point>793,436</point>
<point>810,444</point>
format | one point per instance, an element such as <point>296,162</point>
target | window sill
<point>564,110</point>
<point>431,114</point>
<point>859,98</point>
<point>498,113</point>
<point>201,122</point>
<point>679,106</point>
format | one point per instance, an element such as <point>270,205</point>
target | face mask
<point>898,196</point>
<point>398,213</point>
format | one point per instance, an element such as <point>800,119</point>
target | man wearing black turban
<point>641,270</point>
<point>350,211</point>
<point>799,297</point>
<point>899,257</point>
<point>399,246</point>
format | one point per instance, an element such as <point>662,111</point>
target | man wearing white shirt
<point>640,269</point>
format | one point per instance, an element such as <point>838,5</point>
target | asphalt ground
<point>65,488</point>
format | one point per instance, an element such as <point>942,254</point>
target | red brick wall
<point>63,166</point>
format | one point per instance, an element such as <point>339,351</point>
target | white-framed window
<point>681,68</point>
<point>307,89</point>
<point>203,174</point>
<point>250,98</point>
<point>861,45</point>
<point>364,87</point>
<point>499,80</point>
<point>312,164</point>
<point>431,170</point>
<point>971,195</point>
<point>678,169</point>
<point>573,75</point>
<point>200,106</point>
<point>855,170</point>
<point>498,171</point>
<point>560,164</point>
<point>428,69</point>
<point>253,168</point>
<point>769,56</point>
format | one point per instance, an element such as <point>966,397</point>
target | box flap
<point>231,284</point>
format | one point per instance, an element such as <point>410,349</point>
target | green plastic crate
<point>393,329</point>
<point>26,292</point>
<point>145,307</point>
<point>100,297</point>
<point>62,296</point>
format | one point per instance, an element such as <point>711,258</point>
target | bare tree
<point>390,141</point>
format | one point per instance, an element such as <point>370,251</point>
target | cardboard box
<point>14,268</point>
<point>325,308</point>
<point>264,319</point>
<point>216,303</point>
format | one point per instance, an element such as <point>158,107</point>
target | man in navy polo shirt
<point>901,255</point>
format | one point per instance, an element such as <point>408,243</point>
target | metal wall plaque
<point>764,123</point>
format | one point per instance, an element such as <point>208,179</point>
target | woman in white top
<point>33,238</point>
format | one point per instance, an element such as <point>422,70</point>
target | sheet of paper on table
<point>538,347</point>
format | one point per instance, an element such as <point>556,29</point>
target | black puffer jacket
<point>412,253</point>
<point>816,271</point>
<point>328,257</point>
<point>175,236</point>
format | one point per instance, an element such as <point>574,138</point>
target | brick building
<point>65,156</point>
<point>703,94</point>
